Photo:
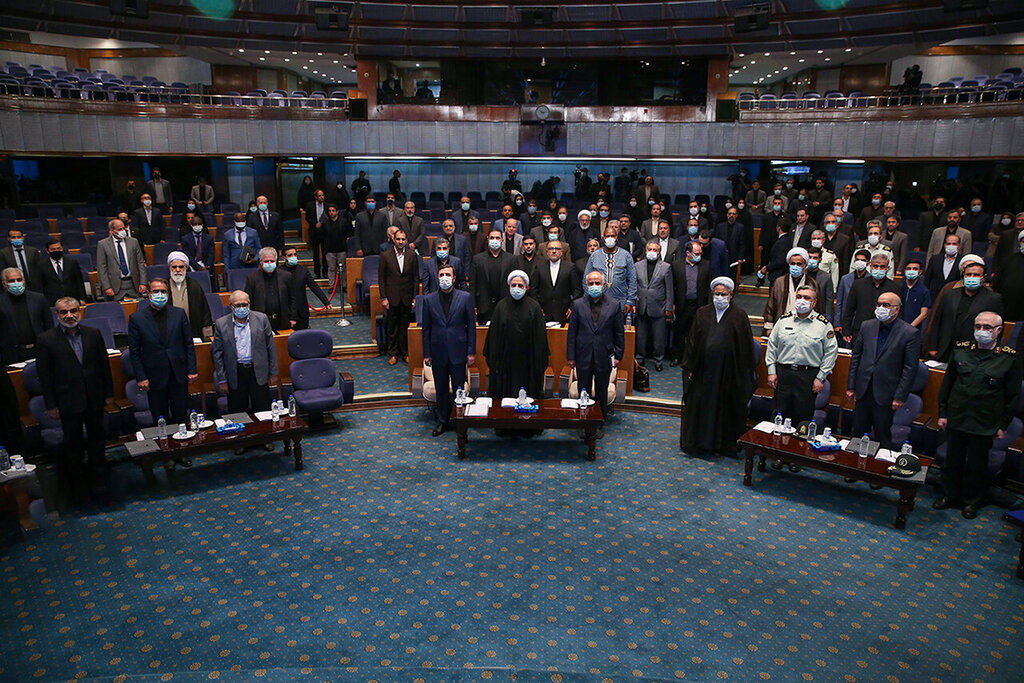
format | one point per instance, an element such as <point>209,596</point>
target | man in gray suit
<point>413,226</point>
<point>120,264</point>
<point>244,358</point>
<point>882,369</point>
<point>654,301</point>
<point>512,240</point>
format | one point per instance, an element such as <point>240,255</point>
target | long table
<point>550,415</point>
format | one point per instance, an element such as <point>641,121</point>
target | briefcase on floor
<point>641,378</point>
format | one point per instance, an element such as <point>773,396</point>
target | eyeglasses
<point>881,304</point>
<point>554,249</point>
<point>986,328</point>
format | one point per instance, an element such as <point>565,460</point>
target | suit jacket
<point>231,251</point>
<point>254,287</point>
<point>458,245</point>
<point>414,232</point>
<point>428,274</point>
<point>448,339</point>
<point>38,313</point>
<point>70,386</point>
<point>898,243</point>
<point>679,285</point>
<point>592,346</point>
<point>34,261</point>
<point>302,279</point>
<point>108,266</point>
<point>933,277</point>
<point>946,328</point>
<point>371,230</point>
<point>936,243</point>
<point>71,284</point>
<point>225,356</point>
<point>166,185</point>
<point>861,301</point>
<point>273,234</point>
<point>199,315</point>
<point>155,358</point>
<point>891,372</point>
<point>202,193</point>
<point>557,298</point>
<point>149,231</point>
<point>462,221</point>
<point>718,258</point>
<point>398,287</point>
<point>733,242</point>
<point>979,225</point>
<point>656,296</point>
<point>205,253</point>
<point>517,243</point>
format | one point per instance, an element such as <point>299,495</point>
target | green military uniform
<point>800,350</point>
<point>879,248</point>
<point>978,397</point>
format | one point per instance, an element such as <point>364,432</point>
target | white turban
<point>583,211</point>
<point>725,282</point>
<point>1020,235</point>
<point>518,273</point>
<point>177,256</point>
<point>797,251</point>
<point>969,259</point>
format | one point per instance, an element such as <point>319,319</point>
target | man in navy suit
<point>163,356</point>
<point>458,244</point>
<point>198,246</point>
<point>715,253</point>
<point>267,225</point>
<point>449,340</point>
<point>236,240</point>
<point>882,369</point>
<point>732,233</point>
<point>430,271</point>
<point>596,339</point>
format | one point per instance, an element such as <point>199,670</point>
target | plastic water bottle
<point>812,430</point>
<point>193,421</point>
<point>629,320</point>
<point>161,428</point>
<point>292,408</point>
<point>275,411</point>
<point>5,460</point>
<point>777,429</point>
<point>865,442</point>
<point>906,450</point>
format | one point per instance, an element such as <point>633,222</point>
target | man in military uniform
<point>801,353</point>
<point>876,245</point>
<point>977,400</point>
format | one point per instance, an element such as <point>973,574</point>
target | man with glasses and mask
<point>244,356</point>
<point>957,306</point>
<point>23,311</point>
<point>120,265</point>
<point>977,400</point>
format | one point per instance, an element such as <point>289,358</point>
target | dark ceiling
<point>488,29</point>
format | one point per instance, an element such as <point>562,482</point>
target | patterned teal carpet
<point>389,559</point>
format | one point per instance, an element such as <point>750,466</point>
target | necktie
<point>122,260</point>
<point>21,262</point>
<point>199,250</point>
<point>264,220</point>
<point>60,272</point>
<point>241,237</point>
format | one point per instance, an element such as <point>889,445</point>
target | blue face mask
<point>158,299</point>
<point>531,210</point>
<point>696,258</point>
<point>812,263</point>
<point>17,242</point>
<point>370,206</point>
<point>595,291</point>
<point>442,254</point>
<point>796,271</point>
<point>972,282</point>
<point>465,206</point>
<point>604,214</point>
<point>16,288</point>
<point>911,274</point>
<point>517,292</point>
<point>692,230</point>
<point>292,261</point>
<point>878,273</point>
<point>269,267</point>
<point>241,312</point>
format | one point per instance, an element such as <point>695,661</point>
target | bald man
<point>882,368</point>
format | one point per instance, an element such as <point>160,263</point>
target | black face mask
<point>57,254</point>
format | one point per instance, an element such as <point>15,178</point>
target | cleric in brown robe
<point>516,347</point>
<point>719,375</point>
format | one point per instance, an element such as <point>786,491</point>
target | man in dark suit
<point>655,302</point>
<point>371,229</point>
<point>488,274</point>
<point>302,280</point>
<point>430,269</point>
<point>449,341</point>
<point>882,369</point>
<point>315,215</point>
<point>691,285</point>
<point>731,232</point>
<point>557,283</point>
<point>23,257</point>
<point>458,244</point>
<point>24,311</point>
<point>413,226</point>
<point>267,225</point>
<point>715,254</point>
<point>398,273</point>
<point>977,221</point>
<point>163,356</point>
<point>74,374</point>
<point>271,291</point>
<point>244,356</point>
<point>148,222</point>
<point>159,188</point>
<point>62,276</point>
<point>943,268</point>
<point>462,216</point>
<point>198,246</point>
<point>596,340</point>
<point>953,318</point>
<point>240,245</point>
<point>861,302</point>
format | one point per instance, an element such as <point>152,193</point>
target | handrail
<point>161,95</point>
<point>928,97</point>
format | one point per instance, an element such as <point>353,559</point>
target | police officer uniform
<point>879,248</point>
<point>800,350</point>
<point>978,397</point>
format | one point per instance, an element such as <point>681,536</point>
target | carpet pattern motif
<point>388,559</point>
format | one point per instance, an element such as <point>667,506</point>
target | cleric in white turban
<point>516,347</point>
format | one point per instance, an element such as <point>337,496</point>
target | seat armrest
<point>417,382</point>
<point>348,387</point>
<point>621,380</point>
<point>474,381</point>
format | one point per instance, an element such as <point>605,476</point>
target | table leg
<point>904,506</point>
<point>21,496</point>
<point>590,438</point>
<point>461,437</point>
<point>297,452</point>
<point>760,464</point>
<point>748,465</point>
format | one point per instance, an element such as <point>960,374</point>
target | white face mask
<point>177,278</point>
<point>239,224</point>
<point>610,242</point>
<point>494,245</point>
<point>562,217</point>
<point>817,244</point>
<point>446,282</point>
<point>694,210</point>
<point>1005,221</point>
<point>882,314</point>
<point>802,306</point>
<point>873,240</point>
<point>197,229</point>
<point>147,203</point>
<point>652,256</point>
<point>721,302</point>
<point>952,249</point>
<point>860,266</point>
<point>984,337</point>
<point>546,222</point>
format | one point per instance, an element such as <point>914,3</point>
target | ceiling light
<point>287,60</point>
<point>417,66</point>
<point>266,52</point>
<point>319,54</point>
<point>767,54</point>
<point>791,54</point>
<point>849,49</point>
<point>828,59</point>
<point>776,71</point>
<point>744,66</point>
<point>315,71</point>
<point>741,55</point>
<point>802,60</point>
<point>785,68</point>
<point>295,53</point>
<point>241,50</point>
<point>820,51</point>
<point>304,66</point>
<point>311,61</point>
<point>335,61</point>
<point>263,59</point>
<point>753,61</point>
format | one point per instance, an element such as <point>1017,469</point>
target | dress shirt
<point>400,255</point>
<point>664,248</point>
<point>947,264</point>
<point>74,336</point>
<point>691,281</point>
<point>553,269</point>
<point>58,266</point>
<point>243,341</point>
<point>22,261</point>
